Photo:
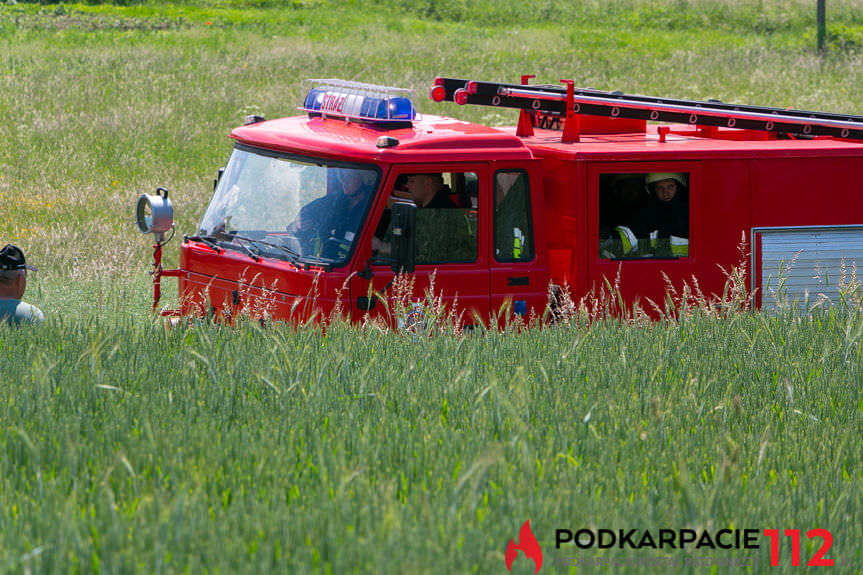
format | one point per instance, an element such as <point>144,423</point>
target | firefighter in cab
<point>665,220</point>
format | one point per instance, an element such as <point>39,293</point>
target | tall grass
<point>128,448</point>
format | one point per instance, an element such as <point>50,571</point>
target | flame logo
<point>526,543</point>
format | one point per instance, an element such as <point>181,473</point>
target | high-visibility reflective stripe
<point>679,246</point>
<point>627,238</point>
<point>517,243</point>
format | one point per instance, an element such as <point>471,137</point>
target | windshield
<point>296,209</point>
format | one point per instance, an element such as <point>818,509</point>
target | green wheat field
<point>129,448</point>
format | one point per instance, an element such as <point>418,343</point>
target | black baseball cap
<point>12,258</point>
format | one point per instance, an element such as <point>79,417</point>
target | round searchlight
<point>154,213</point>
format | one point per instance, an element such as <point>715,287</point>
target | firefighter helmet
<point>654,177</point>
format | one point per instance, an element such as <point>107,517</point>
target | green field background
<point>126,448</point>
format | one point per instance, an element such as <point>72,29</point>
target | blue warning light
<point>370,103</point>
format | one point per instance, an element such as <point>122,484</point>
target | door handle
<point>518,281</point>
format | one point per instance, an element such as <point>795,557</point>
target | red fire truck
<point>323,210</point>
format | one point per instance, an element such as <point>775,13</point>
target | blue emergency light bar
<point>368,103</point>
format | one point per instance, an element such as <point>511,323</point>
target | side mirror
<point>218,178</point>
<point>403,227</point>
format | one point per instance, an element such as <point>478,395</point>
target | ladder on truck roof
<point>566,102</point>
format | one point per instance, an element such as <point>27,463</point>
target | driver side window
<point>446,218</point>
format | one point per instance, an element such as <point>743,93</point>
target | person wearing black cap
<point>429,191</point>
<point>13,284</point>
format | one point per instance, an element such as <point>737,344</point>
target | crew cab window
<point>644,215</point>
<point>513,233</point>
<point>446,218</point>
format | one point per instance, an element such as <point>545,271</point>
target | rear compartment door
<point>806,265</point>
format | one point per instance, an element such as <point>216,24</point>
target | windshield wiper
<point>217,242</point>
<point>255,255</point>
<point>207,241</point>
<point>293,255</point>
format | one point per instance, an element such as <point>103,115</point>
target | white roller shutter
<point>808,264</point>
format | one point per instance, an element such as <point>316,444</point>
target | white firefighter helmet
<point>654,177</point>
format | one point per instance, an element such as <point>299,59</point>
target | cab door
<point>519,274</point>
<point>451,276</point>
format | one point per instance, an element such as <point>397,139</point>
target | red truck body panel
<point>736,185</point>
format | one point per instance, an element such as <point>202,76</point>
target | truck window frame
<point>529,239</point>
<point>318,160</point>
<point>478,169</point>
<point>609,169</point>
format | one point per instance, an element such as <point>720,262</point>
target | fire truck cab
<point>320,211</point>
